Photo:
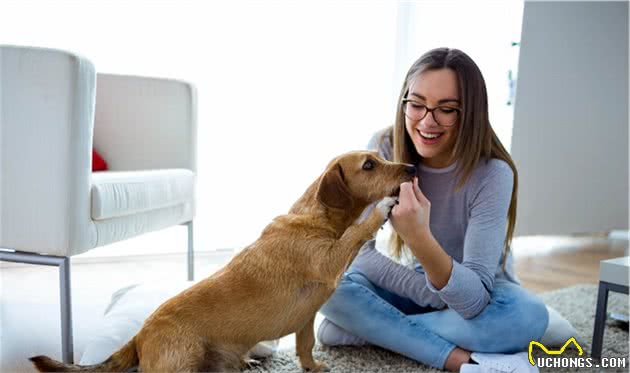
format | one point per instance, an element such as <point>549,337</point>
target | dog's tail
<point>120,361</point>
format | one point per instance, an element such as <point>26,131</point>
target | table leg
<point>600,320</point>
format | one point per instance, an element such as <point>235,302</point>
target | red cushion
<point>98,163</point>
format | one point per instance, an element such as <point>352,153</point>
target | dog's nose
<point>410,170</point>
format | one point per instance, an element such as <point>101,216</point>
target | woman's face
<point>434,140</point>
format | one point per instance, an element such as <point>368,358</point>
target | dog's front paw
<point>317,366</point>
<point>386,205</point>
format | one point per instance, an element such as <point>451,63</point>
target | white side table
<point>613,276</point>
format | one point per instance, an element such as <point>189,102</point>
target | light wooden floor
<point>548,263</point>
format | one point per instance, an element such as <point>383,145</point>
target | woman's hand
<point>410,217</point>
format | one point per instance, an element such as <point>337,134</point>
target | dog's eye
<point>368,165</point>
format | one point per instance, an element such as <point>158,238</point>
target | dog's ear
<point>333,191</point>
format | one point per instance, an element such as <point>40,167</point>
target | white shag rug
<point>576,303</point>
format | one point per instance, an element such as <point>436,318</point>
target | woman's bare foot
<point>456,358</point>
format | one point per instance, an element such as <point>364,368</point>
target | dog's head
<point>359,178</point>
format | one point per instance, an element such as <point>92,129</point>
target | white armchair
<point>54,108</point>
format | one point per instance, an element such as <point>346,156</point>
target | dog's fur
<point>273,287</point>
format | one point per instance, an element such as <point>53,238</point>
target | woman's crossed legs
<point>507,324</point>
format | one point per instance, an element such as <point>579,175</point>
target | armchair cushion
<point>117,194</point>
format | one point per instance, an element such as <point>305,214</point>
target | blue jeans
<point>513,317</point>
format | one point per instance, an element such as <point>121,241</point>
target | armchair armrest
<point>145,123</point>
<point>47,101</point>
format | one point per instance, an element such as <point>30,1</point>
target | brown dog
<point>273,287</point>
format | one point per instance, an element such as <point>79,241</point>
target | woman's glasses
<point>445,116</point>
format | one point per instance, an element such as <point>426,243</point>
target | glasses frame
<point>430,110</point>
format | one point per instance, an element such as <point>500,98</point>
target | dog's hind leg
<point>169,361</point>
<point>171,353</point>
<point>222,359</point>
<point>304,342</point>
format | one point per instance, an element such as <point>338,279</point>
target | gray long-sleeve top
<point>469,224</point>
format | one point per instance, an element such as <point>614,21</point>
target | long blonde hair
<point>476,139</point>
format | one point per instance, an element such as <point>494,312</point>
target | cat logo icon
<point>552,352</point>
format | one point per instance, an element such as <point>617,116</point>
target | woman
<point>462,304</point>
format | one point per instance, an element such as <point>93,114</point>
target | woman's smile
<point>429,138</point>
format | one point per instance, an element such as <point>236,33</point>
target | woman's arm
<point>391,276</point>
<point>381,270</point>
<point>463,287</point>
<point>438,265</point>
<point>410,218</point>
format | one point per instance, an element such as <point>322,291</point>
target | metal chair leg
<point>67,346</point>
<point>63,262</point>
<point>191,252</point>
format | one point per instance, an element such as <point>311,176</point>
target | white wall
<point>283,87</point>
<point>570,139</point>
<point>455,24</point>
